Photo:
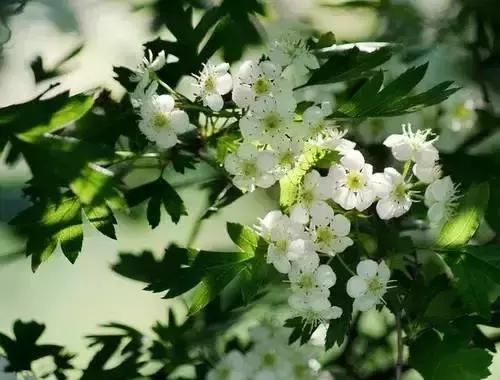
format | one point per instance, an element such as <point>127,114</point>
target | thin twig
<point>399,358</point>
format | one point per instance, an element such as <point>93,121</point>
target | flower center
<point>160,120</point>
<point>462,112</point>
<point>282,246</point>
<point>272,122</point>
<point>399,191</point>
<point>324,235</point>
<point>210,84</point>
<point>269,359</point>
<point>355,181</point>
<point>287,159</point>
<point>375,286</point>
<point>301,371</point>
<point>248,169</point>
<point>306,281</point>
<point>262,86</point>
<point>308,196</point>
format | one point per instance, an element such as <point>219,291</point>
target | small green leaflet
<point>50,223</point>
<point>442,358</point>
<point>464,224</point>
<point>160,193</point>
<point>291,183</point>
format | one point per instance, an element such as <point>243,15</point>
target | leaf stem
<point>345,265</point>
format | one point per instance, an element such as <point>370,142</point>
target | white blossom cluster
<point>274,137</point>
<point>270,357</point>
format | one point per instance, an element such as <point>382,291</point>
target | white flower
<point>252,168</point>
<point>413,146</point>
<point>370,284</point>
<point>287,240</point>
<point>330,231</point>
<point>441,198</point>
<point>333,139</point>
<point>231,367</point>
<point>461,115</point>
<point>308,277</point>
<point>314,308</point>
<point>212,83</point>
<point>291,50</point>
<point>255,80</point>
<point>268,123</point>
<point>148,65</point>
<point>287,153</point>
<point>313,193</point>
<point>314,120</point>
<point>352,182</point>
<point>394,193</point>
<point>427,174</point>
<point>161,122</point>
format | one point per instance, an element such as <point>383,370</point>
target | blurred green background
<point>73,299</point>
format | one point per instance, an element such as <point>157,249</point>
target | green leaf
<point>477,274</point>
<point>211,285</point>
<point>36,117</point>
<point>373,100</point>
<point>160,193</point>
<point>349,64</point>
<point>290,184</point>
<point>50,223</point>
<point>464,224</point>
<point>246,238</point>
<point>440,358</point>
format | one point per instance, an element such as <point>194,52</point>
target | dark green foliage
<point>52,222</point>
<point>22,350</point>
<point>395,98</point>
<point>449,357</point>
<point>159,193</point>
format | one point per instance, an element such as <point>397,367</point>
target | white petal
<point>224,83</point>
<point>165,103</point>
<point>281,264</point>
<point>341,244</point>
<point>311,179</point>
<point>243,96</point>
<point>214,102</point>
<point>334,312</point>
<point>166,139</point>
<point>265,181</point>
<point>321,214</point>
<point>250,128</point>
<point>341,225</point>
<point>298,301</point>
<point>367,269</point>
<point>179,121</point>
<point>364,199</point>
<point>365,302</point>
<point>386,208</point>
<point>309,262</point>
<point>436,213</point>
<point>325,276</point>
<point>402,152</point>
<point>345,198</point>
<point>232,163</point>
<point>312,115</point>
<point>356,287</point>
<point>248,151</point>
<point>270,70</point>
<point>394,140</point>
<point>326,108</point>
<point>299,248</point>
<point>244,183</point>
<point>249,72</point>
<point>279,57</point>
<point>353,160</point>
<point>384,273</point>
<point>442,189</point>
<point>299,213</point>
<point>266,161</point>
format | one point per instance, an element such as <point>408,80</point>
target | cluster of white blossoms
<point>270,357</point>
<point>161,121</point>
<point>274,139</point>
